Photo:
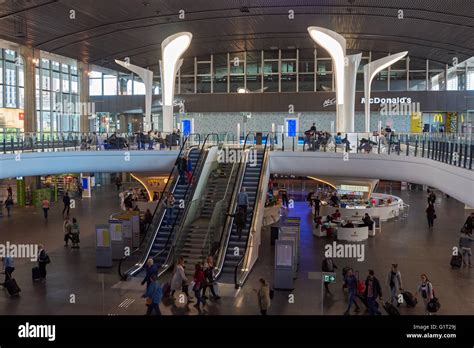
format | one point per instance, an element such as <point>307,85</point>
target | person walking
<point>8,267</point>
<point>317,206</point>
<point>465,242</point>
<point>45,206</point>
<point>43,260</point>
<point>9,205</point>
<point>198,285</point>
<point>351,281</point>
<point>151,269</point>
<point>153,296</point>
<point>263,295</point>
<point>209,281</point>
<point>118,182</point>
<point>394,283</point>
<point>243,200</point>
<point>67,203</point>
<point>430,215</point>
<point>9,192</point>
<point>240,220</point>
<point>181,164</point>
<point>425,289</point>
<point>79,190</point>
<point>67,227</point>
<point>468,224</point>
<point>373,291</point>
<point>328,265</point>
<point>179,281</point>
<point>75,234</point>
<point>169,208</point>
<point>189,170</point>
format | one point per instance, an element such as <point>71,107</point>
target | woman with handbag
<point>426,291</point>
<point>179,280</point>
<point>209,281</point>
<point>198,285</point>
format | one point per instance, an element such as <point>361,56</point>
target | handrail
<point>254,218</point>
<point>227,227</point>
<point>199,165</point>
<point>138,266</point>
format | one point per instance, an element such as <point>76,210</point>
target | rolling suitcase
<point>390,309</point>
<point>456,261</point>
<point>12,287</point>
<point>35,273</point>
<point>409,299</point>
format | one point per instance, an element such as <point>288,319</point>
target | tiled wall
<point>262,121</point>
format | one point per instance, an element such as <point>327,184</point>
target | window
<point>95,83</point>
<point>110,85</point>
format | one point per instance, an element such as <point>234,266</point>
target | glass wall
<point>291,70</point>
<point>11,80</point>
<point>58,105</point>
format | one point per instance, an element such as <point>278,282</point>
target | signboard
<point>329,277</point>
<point>354,188</point>
<point>284,255</point>
<point>103,237</point>
<point>115,227</point>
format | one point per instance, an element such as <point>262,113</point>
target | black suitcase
<point>456,261</point>
<point>390,309</point>
<point>409,299</point>
<point>12,287</point>
<point>35,273</point>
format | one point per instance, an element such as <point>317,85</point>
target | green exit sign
<point>329,278</point>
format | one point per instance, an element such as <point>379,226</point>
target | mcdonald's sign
<point>438,118</point>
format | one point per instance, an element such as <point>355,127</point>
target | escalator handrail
<point>254,216</point>
<point>138,266</point>
<point>227,227</point>
<point>199,165</point>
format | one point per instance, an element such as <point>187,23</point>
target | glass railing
<point>450,148</point>
<point>455,149</point>
<point>75,141</point>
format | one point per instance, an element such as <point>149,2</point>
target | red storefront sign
<point>21,116</point>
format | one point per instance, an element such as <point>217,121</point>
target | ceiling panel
<point>106,29</point>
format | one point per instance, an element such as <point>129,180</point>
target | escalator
<point>234,253</point>
<point>236,246</point>
<point>158,236</point>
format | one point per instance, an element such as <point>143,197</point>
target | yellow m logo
<point>438,118</point>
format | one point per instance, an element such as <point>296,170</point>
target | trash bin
<point>258,138</point>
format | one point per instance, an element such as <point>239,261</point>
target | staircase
<point>250,182</point>
<point>196,239</point>
<point>165,231</point>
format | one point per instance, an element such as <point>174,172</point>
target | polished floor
<point>76,286</point>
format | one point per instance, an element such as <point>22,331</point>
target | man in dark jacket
<point>182,164</point>
<point>373,290</point>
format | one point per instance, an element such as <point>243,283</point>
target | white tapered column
<point>372,69</point>
<point>172,48</point>
<point>350,74</point>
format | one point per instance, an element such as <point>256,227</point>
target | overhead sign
<point>354,188</point>
<point>397,100</point>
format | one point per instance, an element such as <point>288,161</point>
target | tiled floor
<point>72,272</point>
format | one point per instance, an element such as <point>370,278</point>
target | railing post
<point>416,146</point>
<point>450,152</point>
<point>407,144</point>
<point>12,144</point>
<point>282,142</point>
<point>4,145</point>
<point>357,143</point>
<point>294,144</point>
<point>470,157</point>
<point>378,146</point>
<point>423,146</point>
<point>465,155</point>
<point>460,155</point>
